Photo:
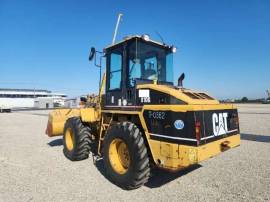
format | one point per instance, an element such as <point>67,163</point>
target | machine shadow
<point>159,177</point>
<point>100,166</point>
<point>56,142</point>
<point>256,138</point>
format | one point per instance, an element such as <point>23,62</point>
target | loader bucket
<point>57,119</point>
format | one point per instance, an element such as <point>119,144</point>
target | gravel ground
<point>33,167</point>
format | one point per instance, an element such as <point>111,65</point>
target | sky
<point>223,46</point>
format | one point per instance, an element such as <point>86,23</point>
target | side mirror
<point>180,80</point>
<point>92,53</point>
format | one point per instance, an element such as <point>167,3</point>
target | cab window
<point>150,71</point>
<point>115,71</point>
<point>149,62</point>
<point>134,71</point>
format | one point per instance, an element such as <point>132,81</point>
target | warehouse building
<point>29,98</point>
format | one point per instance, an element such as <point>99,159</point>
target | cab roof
<point>140,37</point>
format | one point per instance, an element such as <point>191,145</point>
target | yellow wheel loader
<point>141,120</point>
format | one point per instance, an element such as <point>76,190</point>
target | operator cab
<point>133,61</point>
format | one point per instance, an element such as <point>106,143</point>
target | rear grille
<point>197,96</point>
<point>217,124</point>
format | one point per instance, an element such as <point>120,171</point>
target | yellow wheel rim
<point>119,156</point>
<point>69,139</point>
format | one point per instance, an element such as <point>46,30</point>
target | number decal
<point>157,115</point>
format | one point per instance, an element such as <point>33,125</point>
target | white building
<point>72,103</point>
<point>44,102</point>
<point>28,98</point>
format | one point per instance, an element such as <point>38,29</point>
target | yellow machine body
<point>58,117</point>
<point>180,127</point>
<point>166,155</point>
<point>174,157</point>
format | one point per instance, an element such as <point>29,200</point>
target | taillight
<point>234,121</point>
<point>237,120</point>
<point>198,131</point>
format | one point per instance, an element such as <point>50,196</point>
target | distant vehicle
<point>267,101</point>
<point>4,109</point>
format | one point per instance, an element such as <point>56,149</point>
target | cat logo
<point>220,123</point>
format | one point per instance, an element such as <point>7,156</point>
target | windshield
<point>149,62</point>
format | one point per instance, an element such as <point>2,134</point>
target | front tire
<point>76,140</point>
<point>125,156</point>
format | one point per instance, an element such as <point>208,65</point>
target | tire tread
<point>82,147</point>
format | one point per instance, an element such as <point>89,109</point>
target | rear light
<point>237,123</point>
<point>237,120</point>
<point>234,121</point>
<point>198,131</point>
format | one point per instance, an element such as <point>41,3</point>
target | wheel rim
<point>119,156</point>
<point>69,139</point>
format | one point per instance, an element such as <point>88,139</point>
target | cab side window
<point>134,71</point>
<point>150,66</point>
<point>115,71</point>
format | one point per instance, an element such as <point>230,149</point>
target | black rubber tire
<point>138,172</point>
<point>81,139</point>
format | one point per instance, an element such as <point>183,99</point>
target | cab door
<point>114,81</point>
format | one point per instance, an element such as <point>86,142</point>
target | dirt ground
<point>33,167</point>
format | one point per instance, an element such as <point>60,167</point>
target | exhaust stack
<point>180,80</point>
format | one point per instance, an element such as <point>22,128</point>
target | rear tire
<point>76,140</point>
<point>136,172</point>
